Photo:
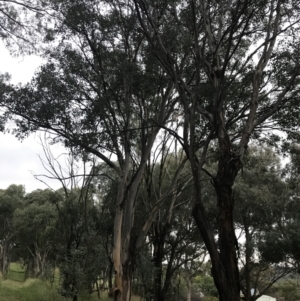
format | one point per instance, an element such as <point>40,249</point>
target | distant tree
<point>261,195</point>
<point>10,199</point>
<point>79,256</point>
<point>77,248</point>
<point>36,233</point>
<point>206,285</point>
<point>288,289</point>
<point>283,235</point>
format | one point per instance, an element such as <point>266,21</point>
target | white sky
<point>19,159</point>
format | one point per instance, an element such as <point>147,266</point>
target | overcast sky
<point>19,159</point>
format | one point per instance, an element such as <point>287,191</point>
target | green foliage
<point>288,289</point>
<point>21,25</point>
<point>27,291</point>
<point>78,254</point>
<point>206,285</point>
<point>16,275</point>
<point>35,231</point>
<point>259,190</point>
<point>210,298</point>
<point>281,241</point>
<point>10,199</point>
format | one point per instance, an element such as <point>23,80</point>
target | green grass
<point>16,272</point>
<point>16,276</point>
<point>34,289</point>
<point>37,290</point>
<point>31,289</point>
<point>14,288</point>
<point>17,267</point>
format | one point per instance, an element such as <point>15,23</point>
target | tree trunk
<point>223,256</point>
<point>110,275</point>
<point>124,220</point>
<point>30,268</point>
<point>247,292</point>
<point>189,289</point>
<point>158,254</point>
<point>121,253</point>
<point>4,259</point>
<point>127,281</point>
<point>118,289</point>
<point>227,244</point>
<point>228,168</point>
<point>123,285</point>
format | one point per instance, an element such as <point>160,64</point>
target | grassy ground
<point>34,289</point>
<point>31,289</point>
<point>16,272</point>
<point>14,288</point>
<point>37,290</point>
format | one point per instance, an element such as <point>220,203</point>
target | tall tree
<point>235,64</point>
<point>101,91</point>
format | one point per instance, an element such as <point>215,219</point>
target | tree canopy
<point>127,81</point>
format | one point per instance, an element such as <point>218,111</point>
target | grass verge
<point>14,288</point>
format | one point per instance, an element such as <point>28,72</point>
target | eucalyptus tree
<point>293,218</point>
<point>100,91</point>
<point>21,27</point>
<point>161,191</point>
<point>235,66</point>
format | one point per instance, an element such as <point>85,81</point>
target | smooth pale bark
<point>126,198</point>
<point>40,258</point>
<point>189,289</point>
<point>248,255</point>
<point>124,220</point>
